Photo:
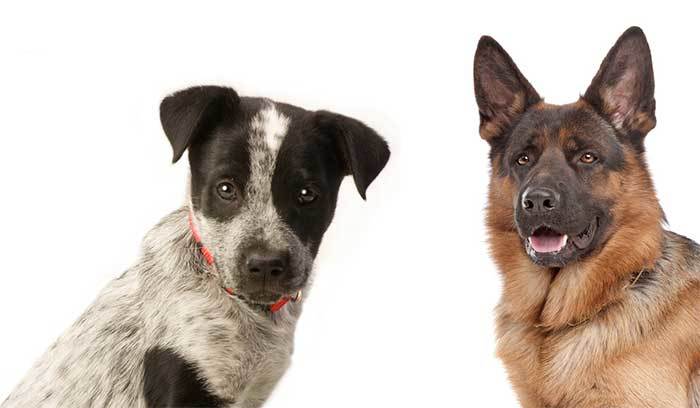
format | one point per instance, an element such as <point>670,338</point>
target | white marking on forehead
<point>273,125</point>
<point>257,220</point>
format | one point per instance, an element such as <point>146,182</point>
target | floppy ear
<point>192,112</point>
<point>502,92</point>
<point>623,89</point>
<point>363,151</point>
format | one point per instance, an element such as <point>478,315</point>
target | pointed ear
<point>363,151</point>
<point>192,112</point>
<point>623,89</point>
<point>502,92</point>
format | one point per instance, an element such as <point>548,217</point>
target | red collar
<point>209,258</point>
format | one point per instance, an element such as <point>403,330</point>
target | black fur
<point>171,381</point>
<point>364,153</point>
<point>497,84</point>
<point>319,150</point>
<point>307,158</point>
<point>630,58</point>
<point>190,113</point>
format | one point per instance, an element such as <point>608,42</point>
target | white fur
<point>273,125</point>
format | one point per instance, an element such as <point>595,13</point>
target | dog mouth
<point>547,244</point>
<point>584,239</point>
<point>264,293</point>
<point>266,290</point>
<point>545,240</point>
<point>263,298</point>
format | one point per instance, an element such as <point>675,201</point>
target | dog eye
<point>307,195</point>
<point>523,159</point>
<point>588,158</point>
<point>227,191</point>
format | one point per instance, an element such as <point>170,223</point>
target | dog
<point>600,304</point>
<point>206,317</point>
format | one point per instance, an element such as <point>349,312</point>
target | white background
<point>401,313</point>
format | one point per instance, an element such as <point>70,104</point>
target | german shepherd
<point>600,304</point>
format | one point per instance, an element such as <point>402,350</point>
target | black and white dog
<point>206,317</point>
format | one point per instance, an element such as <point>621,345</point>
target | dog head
<point>264,181</point>
<point>566,177</point>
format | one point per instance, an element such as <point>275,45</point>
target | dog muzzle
<point>209,259</point>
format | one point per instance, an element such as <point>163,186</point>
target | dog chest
<point>573,368</point>
<point>235,352</point>
<point>246,376</point>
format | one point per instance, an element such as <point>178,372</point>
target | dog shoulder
<point>93,361</point>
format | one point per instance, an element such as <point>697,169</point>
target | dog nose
<point>267,262</point>
<point>540,200</point>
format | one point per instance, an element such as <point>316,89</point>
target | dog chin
<point>266,296</point>
<point>551,260</point>
<point>263,297</point>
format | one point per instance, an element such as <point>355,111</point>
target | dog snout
<point>267,263</point>
<point>540,200</point>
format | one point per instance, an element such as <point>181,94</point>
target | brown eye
<point>307,195</point>
<point>588,158</point>
<point>227,191</point>
<point>523,159</point>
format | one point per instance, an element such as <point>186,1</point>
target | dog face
<point>563,175</point>
<point>264,182</point>
<point>556,158</point>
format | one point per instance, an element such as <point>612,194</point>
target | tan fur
<point>597,333</point>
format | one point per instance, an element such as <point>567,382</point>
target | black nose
<point>540,200</point>
<point>267,262</point>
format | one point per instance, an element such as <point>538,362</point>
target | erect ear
<point>363,151</point>
<point>192,112</point>
<point>623,89</point>
<point>502,92</point>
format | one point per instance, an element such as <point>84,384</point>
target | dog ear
<point>363,151</point>
<point>192,112</point>
<point>623,89</point>
<point>502,92</point>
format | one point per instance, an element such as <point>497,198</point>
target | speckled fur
<point>172,298</point>
<point>258,219</point>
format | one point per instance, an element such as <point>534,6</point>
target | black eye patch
<point>222,156</point>
<point>307,161</point>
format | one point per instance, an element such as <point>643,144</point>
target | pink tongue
<point>547,242</point>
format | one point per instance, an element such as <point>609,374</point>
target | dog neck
<point>209,259</point>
